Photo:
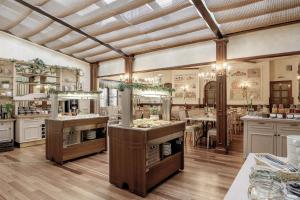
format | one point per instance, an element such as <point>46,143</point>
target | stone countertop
<point>146,129</point>
<point>32,116</point>
<point>7,120</point>
<point>261,119</point>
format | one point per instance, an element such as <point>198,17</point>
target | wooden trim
<point>291,53</point>
<point>42,12</point>
<point>262,28</point>
<point>221,98</point>
<point>208,18</point>
<point>93,83</point>
<point>129,67</point>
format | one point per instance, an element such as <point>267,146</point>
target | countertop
<point>239,188</point>
<point>79,118</point>
<point>146,129</point>
<point>261,119</point>
<point>32,116</point>
<point>7,120</point>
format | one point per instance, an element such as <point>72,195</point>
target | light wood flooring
<point>25,174</point>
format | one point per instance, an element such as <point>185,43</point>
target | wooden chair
<point>194,130</point>
<point>210,134</point>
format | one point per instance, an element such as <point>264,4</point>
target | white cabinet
<point>262,143</point>
<point>267,135</point>
<point>28,130</point>
<point>6,130</point>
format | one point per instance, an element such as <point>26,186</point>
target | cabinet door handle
<point>261,123</point>
<point>293,124</point>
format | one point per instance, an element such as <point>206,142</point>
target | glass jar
<point>274,109</point>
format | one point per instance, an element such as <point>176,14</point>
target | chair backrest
<point>182,115</point>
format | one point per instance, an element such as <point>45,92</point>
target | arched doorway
<point>210,93</point>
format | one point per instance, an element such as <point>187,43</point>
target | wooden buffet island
<point>129,157</point>
<point>72,138</point>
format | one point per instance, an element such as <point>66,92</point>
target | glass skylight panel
<point>88,10</point>
<point>109,1</point>
<point>107,21</point>
<point>138,12</point>
<point>79,46</point>
<point>151,24</point>
<point>164,3</point>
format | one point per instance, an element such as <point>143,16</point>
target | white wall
<point>116,66</point>
<point>184,55</point>
<point>15,48</point>
<point>270,41</point>
<point>279,73</point>
<point>201,52</point>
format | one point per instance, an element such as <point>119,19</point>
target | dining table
<point>204,120</point>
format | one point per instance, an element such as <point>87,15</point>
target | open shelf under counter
<point>129,155</point>
<point>60,147</point>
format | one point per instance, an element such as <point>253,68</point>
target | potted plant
<point>154,113</point>
<point>9,109</point>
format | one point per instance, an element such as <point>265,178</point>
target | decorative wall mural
<point>185,84</point>
<point>253,82</point>
<point>253,73</point>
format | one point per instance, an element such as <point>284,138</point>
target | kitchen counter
<point>32,116</point>
<point>72,138</point>
<point>133,162</point>
<point>268,135</point>
<point>7,120</point>
<point>144,129</point>
<point>276,120</point>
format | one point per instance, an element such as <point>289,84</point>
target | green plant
<point>154,110</point>
<point>9,108</point>
<point>38,66</point>
<point>143,87</point>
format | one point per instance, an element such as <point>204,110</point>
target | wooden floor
<point>25,174</point>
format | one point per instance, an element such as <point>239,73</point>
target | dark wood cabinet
<point>129,158</point>
<point>281,93</point>
<point>70,139</point>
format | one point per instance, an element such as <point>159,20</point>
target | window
<point>281,93</point>
<point>210,93</point>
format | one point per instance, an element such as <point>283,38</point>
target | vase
<point>126,107</point>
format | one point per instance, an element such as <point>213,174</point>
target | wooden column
<point>93,83</point>
<point>221,102</point>
<point>129,67</point>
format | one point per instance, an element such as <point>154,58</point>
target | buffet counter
<point>140,158</point>
<point>268,135</point>
<point>75,136</point>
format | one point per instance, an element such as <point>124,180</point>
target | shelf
<point>4,89</point>
<point>167,159</point>
<point>2,76</point>
<point>31,75</point>
<point>7,97</point>
<point>21,82</point>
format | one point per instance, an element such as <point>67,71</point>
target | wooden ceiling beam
<point>36,9</point>
<point>208,18</point>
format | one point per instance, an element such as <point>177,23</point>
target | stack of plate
<point>91,135</point>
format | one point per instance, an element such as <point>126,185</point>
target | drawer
<point>5,124</point>
<point>5,134</point>
<point>290,128</point>
<point>262,126</point>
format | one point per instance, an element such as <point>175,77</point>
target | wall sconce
<point>244,86</point>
